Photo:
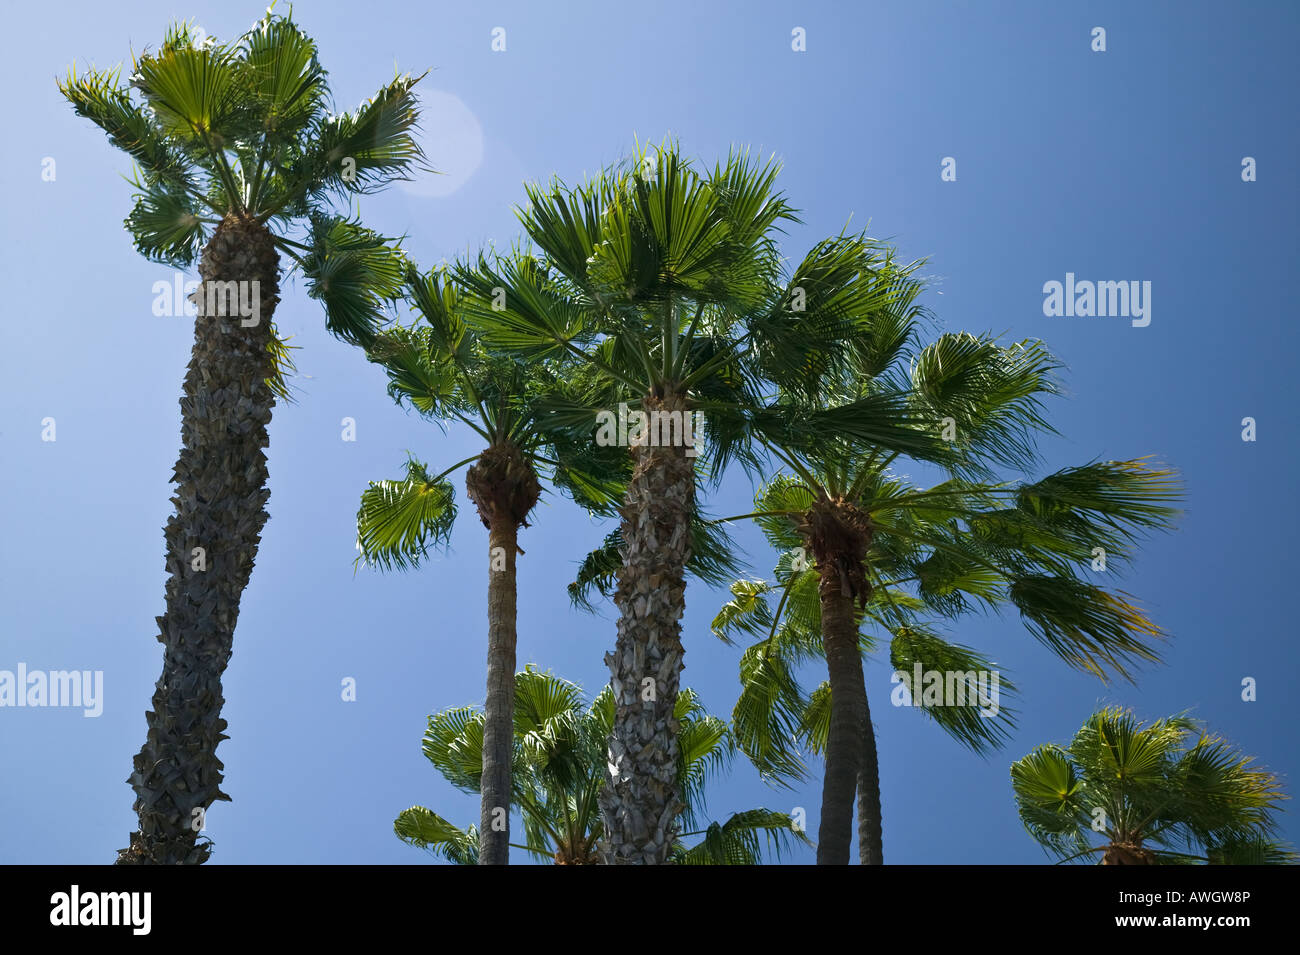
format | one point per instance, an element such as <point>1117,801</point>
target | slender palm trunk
<point>870,845</point>
<point>848,716</point>
<point>504,487</point>
<point>212,541</point>
<point>839,535</point>
<point>640,800</point>
<point>499,719</point>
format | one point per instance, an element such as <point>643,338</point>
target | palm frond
<point>1087,627</point>
<point>737,842</point>
<point>970,707</point>
<point>165,224</point>
<point>993,394</point>
<point>284,77</point>
<point>425,829</point>
<point>98,96</point>
<point>399,521</point>
<point>355,273</point>
<point>362,150</point>
<point>193,91</point>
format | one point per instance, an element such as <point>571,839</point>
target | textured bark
<point>870,842</point>
<point>504,487</point>
<point>640,800</point>
<point>220,503</point>
<point>583,852</point>
<point>839,535</point>
<point>1127,853</point>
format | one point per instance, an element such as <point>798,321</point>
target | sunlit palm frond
<point>1087,627</point>
<point>400,520</point>
<point>1168,789</point>
<point>425,829</point>
<point>992,394</point>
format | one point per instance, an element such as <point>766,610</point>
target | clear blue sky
<point>1117,165</point>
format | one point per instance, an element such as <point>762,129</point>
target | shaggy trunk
<point>504,487</point>
<point>640,800</point>
<point>870,843</point>
<point>839,535</point>
<point>211,542</point>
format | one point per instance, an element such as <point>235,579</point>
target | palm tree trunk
<point>220,501</point>
<point>503,485</point>
<point>870,844</point>
<point>499,720</point>
<point>848,716</point>
<point>640,800</point>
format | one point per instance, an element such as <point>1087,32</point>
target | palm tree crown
<point>1167,792</point>
<point>558,756</point>
<point>244,132</point>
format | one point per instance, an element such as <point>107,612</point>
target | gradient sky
<point>1122,165</point>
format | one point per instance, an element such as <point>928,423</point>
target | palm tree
<point>441,370</point>
<point>667,282</point>
<point>921,568</point>
<point>559,754</point>
<point>1165,793</point>
<point>235,151</point>
<point>776,722</point>
<point>862,533</point>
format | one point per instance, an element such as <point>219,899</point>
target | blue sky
<point>1122,165</point>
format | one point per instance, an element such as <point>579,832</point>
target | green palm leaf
<point>559,769</point>
<point>355,273</point>
<point>400,520</point>
<point>968,718</point>
<point>1086,626</point>
<point>992,393</point>
<point>424,829</point>
<point>284,76</point>
<point>97,96</point>
<point>194,92</point>
<point>359,151</point>
<point>166,225</point>
<point>736,841</point>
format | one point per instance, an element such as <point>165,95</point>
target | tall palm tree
<point>559,755</point>
<point>667,281</point>
<point>237,157</point>
<point>1163,793</point>
<point>441,369</point>
<point>864,532</point>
